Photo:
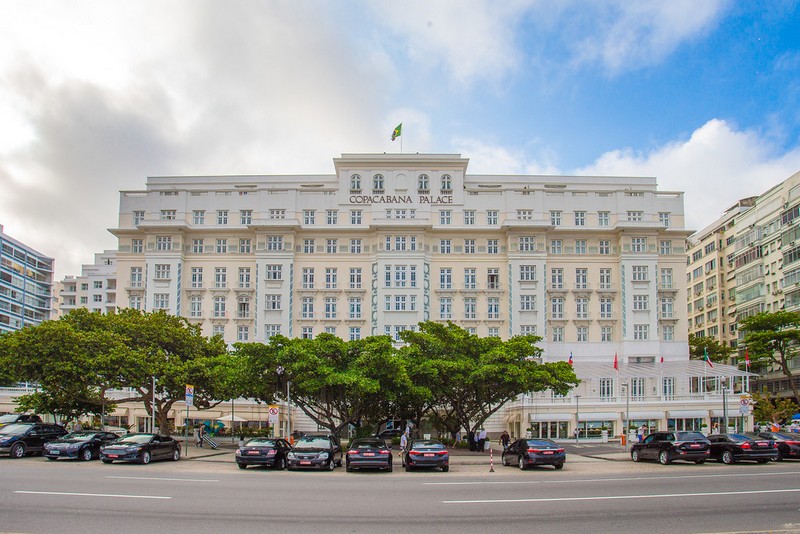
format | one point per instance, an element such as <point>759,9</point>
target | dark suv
<point>19,439</point>
<point>674,445</point>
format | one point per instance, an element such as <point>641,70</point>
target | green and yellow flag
<point>398,131</point>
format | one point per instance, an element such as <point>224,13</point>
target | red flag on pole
<point>616,362</point>
<point>746,360</point>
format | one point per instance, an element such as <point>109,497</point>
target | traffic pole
<point>491,460</point>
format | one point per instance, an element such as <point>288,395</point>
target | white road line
<point>622,497</point>
<point>619,479</point>
<point>92,495</point>
<point>166,479</point>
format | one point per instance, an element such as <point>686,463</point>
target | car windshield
<point>689,436</point>
<point>313,443</point>
<point>367,444</point>
<point>8,418</point>
<point>540,443</point>
<point>134,438</point>
<point>78,436</point>
<point>261,442</point>
<point>15,429</point>
<point>427,445</point>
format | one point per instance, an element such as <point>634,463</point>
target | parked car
<point>315,451</point>
<point>141,448</point>
<point>390,433</point>
<point>731,448</point>
<point>788,444</point>
<point>426,453</point>
<point>526,453</point>
<point>10,418</point>
<point>19,439</point>
<point>82,445</point>
<point>666,447</point>
<point>269,452</point>
<point>368,453</point>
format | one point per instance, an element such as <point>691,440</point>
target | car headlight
<point>323,456</point>
<point>291,456</point>
<point>238,452</point>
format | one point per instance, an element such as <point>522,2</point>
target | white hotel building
<point>594,265</point>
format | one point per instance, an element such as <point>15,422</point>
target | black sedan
<point>19,439</point>
<point>426,453</point>
<point>673,445</point>
<point>788,444</point>
<point>269,452</point>
<point>368,453</point>
<point>526,453</point>
<point>731,448</point>
<point>315,452</point>
<point>81,445</point>
<point>141,448</point>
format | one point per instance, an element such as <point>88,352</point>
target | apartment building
<point>95,289</point>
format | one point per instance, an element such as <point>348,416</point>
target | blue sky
<point>97,95</point>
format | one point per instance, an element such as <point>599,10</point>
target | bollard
<point>491,460</point>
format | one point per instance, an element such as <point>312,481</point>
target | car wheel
<point>727,457</point>
<point>331,465</point>
<point>762,461</point>
<point>176,455</point>
<point>348,469</point>
<point>339,462</point>
<point>779,457</point>
<point>505,461</point>
<point>241,466</point>
<point>282,464</point>
<point>699,462</point>
<point>522,463</point>
<point>663,458</point>
<point>408,468</point>
<point>106,460</point>
<point>18,450</point>
<point>145,457</point>
<point>389,468</point>
<point>559,466</point>
<point>445,468</point>
<point>635,456</point>
<point>86,454</point>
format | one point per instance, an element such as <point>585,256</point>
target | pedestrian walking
<point>200,435</point>
<point>505,439</point>
<point>403,446</point>
<point>481,440</point>
<point>641,432</point>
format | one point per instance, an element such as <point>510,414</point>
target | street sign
<point>273,414</point>
<point>744,409</point>
<point>189,395</point>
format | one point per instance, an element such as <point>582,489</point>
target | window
<point>218,330</point>
<point>331,277</point>
<point>355,278</point>
<point>605,278</point>
<point>377,183</point>
<point>493,278</point>
<point>641,332</point>
<point>581,308</point>
<point>444,246</point>
<point>528,329</point>
<point>222,246</point>
<point>162,271</point>
<point>135,302</point>
<point>136,277</point>
<point>244,277</point>
<point>493,331</point>
<point>640,273</point>
<point>161,301</point>
<point>272,302</point>
<point>220,277</point>
<point>445,308</point>
<point>356,217</point>
<point>667,308</point>
<point>470,278</point>
<point>274,272</point>
<point>277,214</point>
<point>555,218</point>
<point>527,302</point>
<point>222,217</point>
<point>666,278</point>
<point>331,245</point>
<point>246,217</point>
<point>195,306</point>
<point>557,278</point>
<point>197,246</point>
<point>469,217</point>
<point>527,273</point>
<point>97,298</point>
<point>556,246</point>
<point>558,334</point>
<point>163,242</point>
<point>447,183</point>
<point>355,246</point>
<point>308,246</point>
<point>355,183</point>
<point>330,307</point>
<point>492,246</point>
<point>243,308</point>
<point>582,334</point>
<point>665,247</point>
<point>525,215</point>
<point>605,308</point>
<point>492,217</point>
<point>580,218</point>
<point>355,333</point>
<point>470,307</point>
<point>493,308</point>
<point>606,388</point>
<point>355,307</point>
<point>641,302</point>
<point>469,246</point>
<point>527,243</point>
<point>309,217</point>
<point>168,215</point>
<point>138,217</point>
<point>446,278</point>
<point>638,244</point>
<point>580,246</point>
<point>557,308</point>
<point>635,216</point>
<point>275,243</point>
<point>663,219</point>
<point>272,330</point>
<point>581,278</point>
<point>423,183</point>
<point>137,246</point>
<point>307,308</point>
<point>668,333</point>
<point>445,217</point>
<point>307,278</point>
<point>605,334</point>
<point>603,218</point>
<point>197,277</point>
<point>243,333</point>
<point>605,246</point>
<point>331,217</point>
<point>307,332</point>
<point>245,246</point>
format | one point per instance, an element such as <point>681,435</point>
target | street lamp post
<point>288,409</point>
<point>577,418</point>
<point>627,389</point>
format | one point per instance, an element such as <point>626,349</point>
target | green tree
<point>717,352</point>
<point>772,340</point>
<point>776,410</point>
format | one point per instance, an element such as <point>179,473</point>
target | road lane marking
<point>617,479</point>
<point>92,494</point>
<point>622,497</point>
<point>166,479</point>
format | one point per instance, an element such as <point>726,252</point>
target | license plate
<point>762,443</point>
<point>369,454</point>
<point>547,452</point>
<point>305,462</point>
<point>695,445</point>
<point>55,452</point>
<point>113,455</point>
<point>427,455</point>
<point>253,452</point>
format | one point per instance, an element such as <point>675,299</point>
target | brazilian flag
<point>398,131</point>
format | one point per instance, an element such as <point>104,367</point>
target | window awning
<point>645,415</point>
<point>687,414</point>
<point>539,417</point>
<point>732,412</point>
<point>598,416</point>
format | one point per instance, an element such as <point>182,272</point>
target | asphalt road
<point>588,496</point>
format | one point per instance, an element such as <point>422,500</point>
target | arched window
<point>355,182</point>
<point>423,182</point>
<point>447,182</point>
<point>377,183</point>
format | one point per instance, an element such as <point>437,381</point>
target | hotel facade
<point>592,264</point>
<point>26,285</point>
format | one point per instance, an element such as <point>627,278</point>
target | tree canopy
<point>772,340</point>
<point>717,351</point>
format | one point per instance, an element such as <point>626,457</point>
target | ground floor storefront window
<point>651,425</point>
<point>689,424</point>
<point>594,429</point>
<point>550,429</point>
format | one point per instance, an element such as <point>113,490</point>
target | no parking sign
<point>273,414</point>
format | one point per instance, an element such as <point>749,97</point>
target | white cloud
<point>715,167</point>
<point>486,158</point>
